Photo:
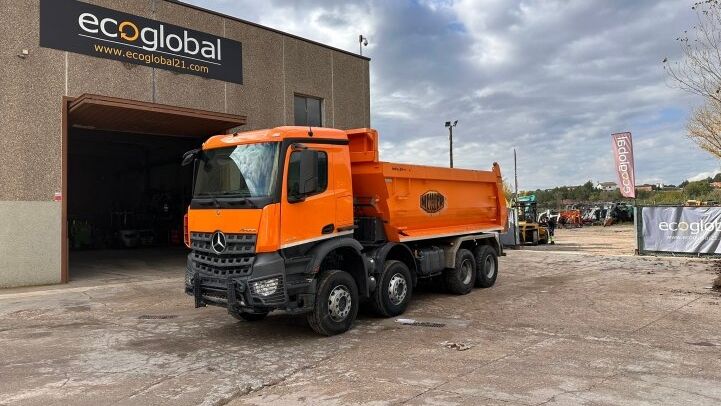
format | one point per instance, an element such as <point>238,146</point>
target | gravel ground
<point>581,322</point>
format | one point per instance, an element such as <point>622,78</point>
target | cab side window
<point>294,174</point>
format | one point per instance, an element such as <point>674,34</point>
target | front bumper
<point>267,285</point>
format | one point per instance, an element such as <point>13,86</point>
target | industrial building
<point>101,98</point>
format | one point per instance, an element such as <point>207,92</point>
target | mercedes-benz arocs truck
<point>309,221</point>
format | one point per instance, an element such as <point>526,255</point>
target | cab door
<point>307,208</point>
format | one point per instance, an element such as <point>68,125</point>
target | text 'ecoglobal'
<point>148,38</point>
<point>694,227</point>
<point>83,28</point>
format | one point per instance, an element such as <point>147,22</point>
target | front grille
<point>236,260</point>
<point>238,244</point>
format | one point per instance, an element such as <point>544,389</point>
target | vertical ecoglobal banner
<point>623,155</point>
<point>70,25</point>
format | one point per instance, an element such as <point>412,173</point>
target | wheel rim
<point>397,289</point>
<point>490,267</point>
<point>339,303</point>
<point>466,271</point>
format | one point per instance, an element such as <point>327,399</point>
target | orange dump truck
<point>308,220</point>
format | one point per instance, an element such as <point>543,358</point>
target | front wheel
<point>534,238</point>
<point>336,303</point>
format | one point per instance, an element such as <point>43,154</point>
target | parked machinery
<point>570,218</point>
<point>529,229</point>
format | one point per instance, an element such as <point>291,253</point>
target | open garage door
<point>124,191</point>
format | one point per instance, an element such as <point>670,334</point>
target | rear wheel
<point>394,290</point>
<point>248,316</point>
<point>486,266</point>
<point>460,280</point>
<point>336,303</point>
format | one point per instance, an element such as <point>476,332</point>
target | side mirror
<point>308,172</point>
<point>190,156</point>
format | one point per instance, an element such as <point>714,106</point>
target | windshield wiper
<point>213,202</point>
<point>242,199</point>
<point>249,202</point>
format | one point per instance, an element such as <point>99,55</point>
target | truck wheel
<point>534,240</point>
<point>460,280</point>
<point>394,290</point>
<point>336,303</point>
<point>486,265</point>
<point>248,316</point>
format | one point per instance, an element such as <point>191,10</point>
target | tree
<point>699,72</point>
<point>704,127</point>
<point>507,191</point>
<point>697,189</point>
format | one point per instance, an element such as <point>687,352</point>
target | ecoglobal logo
<point>692,227</point>
<point>74,26</point>
<point>151,39</point>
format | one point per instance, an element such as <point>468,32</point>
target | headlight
<point>266,287</point>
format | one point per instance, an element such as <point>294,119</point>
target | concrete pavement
<point>556,329</point>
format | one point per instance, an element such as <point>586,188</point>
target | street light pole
<point>450,143</point>
<point>450,138</point>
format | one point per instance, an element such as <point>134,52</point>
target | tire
<point>486,266</point>
<point>534,239</point>
<point>336,303</point>
<point>248,316</point>
<point>394,290</point>
<point>461,279</point>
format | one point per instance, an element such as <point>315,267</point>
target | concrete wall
<point>275,66</point>
<point>29,243</point>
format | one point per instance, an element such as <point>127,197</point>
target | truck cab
<point>273,225</point>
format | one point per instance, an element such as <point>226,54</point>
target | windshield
<point>246,170</point>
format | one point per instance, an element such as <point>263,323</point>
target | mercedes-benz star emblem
<point>218,242</point>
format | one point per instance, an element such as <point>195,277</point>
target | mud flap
<point>196,292</point>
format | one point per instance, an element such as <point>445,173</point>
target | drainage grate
<point>157,316</point>
<point>411,322</point>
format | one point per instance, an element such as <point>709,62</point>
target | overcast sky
<point>552,78</point>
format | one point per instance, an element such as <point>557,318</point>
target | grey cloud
<point>551,78</point>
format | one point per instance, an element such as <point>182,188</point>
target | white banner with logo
<point>689,230</point>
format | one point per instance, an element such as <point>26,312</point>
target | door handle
<point>327,229</point>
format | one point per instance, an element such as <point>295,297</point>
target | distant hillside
<point>559,197</point>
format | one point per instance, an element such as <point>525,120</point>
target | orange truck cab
<point>309,221</point>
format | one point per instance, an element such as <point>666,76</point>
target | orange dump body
<point>419,202</point>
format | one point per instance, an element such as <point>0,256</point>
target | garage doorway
<point>124,191</point>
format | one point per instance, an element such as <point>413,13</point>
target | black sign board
<point>74,26</point>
